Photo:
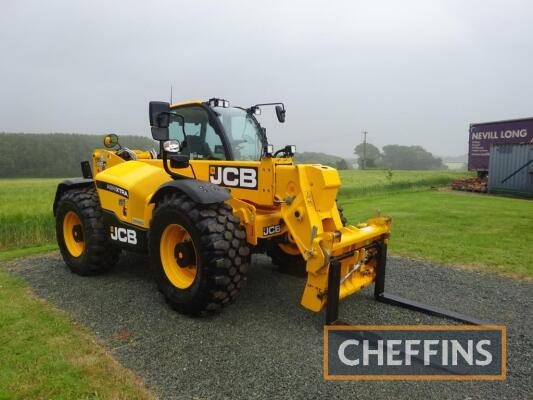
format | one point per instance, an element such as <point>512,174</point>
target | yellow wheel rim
<point>290,247</point>
<point>176,247</point>
<point>73,234</point>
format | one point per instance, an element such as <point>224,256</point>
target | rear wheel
<point>81,235</point>
<point>199,254</point>
<point>287,257</point>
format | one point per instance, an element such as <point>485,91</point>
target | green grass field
<point>464,229</point>
<point>46,356</point>
<point>26,212</point>
<point>358,183</point>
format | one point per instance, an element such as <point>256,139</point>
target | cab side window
<point>197,136</point>
<point>243,133</point>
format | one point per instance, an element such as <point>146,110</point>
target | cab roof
<point>185,103</point>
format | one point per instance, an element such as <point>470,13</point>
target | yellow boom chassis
<point>299,200</point>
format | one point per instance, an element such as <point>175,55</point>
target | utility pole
<point>364,149</point>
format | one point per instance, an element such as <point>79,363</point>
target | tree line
<point>54,155</point>
<point>59,155</point>
<point>394,156</point>
<point>310,157</point>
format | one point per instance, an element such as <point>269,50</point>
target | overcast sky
<point>408,72</point>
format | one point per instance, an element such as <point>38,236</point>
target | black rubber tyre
<point>98,255</point>
<point>341,212</point>
<point>287,263</point>
<point>291,263</point>
<point>221,254</point>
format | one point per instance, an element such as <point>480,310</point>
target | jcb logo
<point>241,177</point>
<point>271,230</point>
<point>124,235</point>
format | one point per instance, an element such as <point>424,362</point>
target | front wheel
<point>199,254</point>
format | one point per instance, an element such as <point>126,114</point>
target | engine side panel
<point>126,189</point>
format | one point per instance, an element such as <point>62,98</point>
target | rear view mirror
<point>280,112</point>
<point>160,134</point>
<point>159,113</point>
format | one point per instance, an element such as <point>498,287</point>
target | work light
<point>172,146</point>
<point>268,150</point>
<point>214,102</point>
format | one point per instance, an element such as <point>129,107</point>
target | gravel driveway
<point>266,345</point>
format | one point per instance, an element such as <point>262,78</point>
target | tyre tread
<point>100,255</point>
<point>219,230</point>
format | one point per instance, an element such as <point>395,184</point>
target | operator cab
<point>202,138</point>
<point>212,130</point>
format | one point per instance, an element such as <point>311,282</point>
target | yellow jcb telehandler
<point>214,193</point>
